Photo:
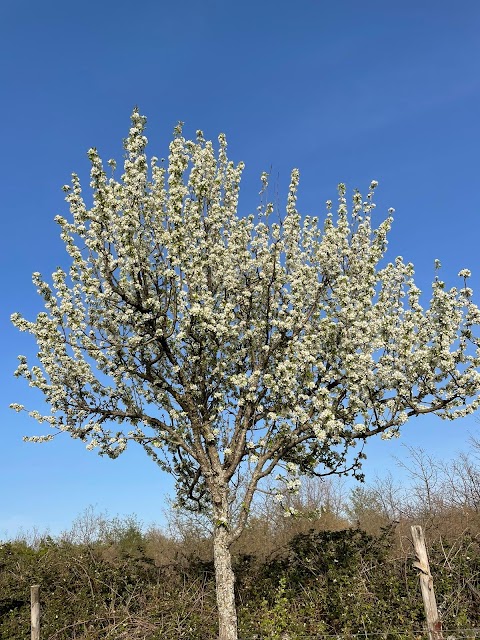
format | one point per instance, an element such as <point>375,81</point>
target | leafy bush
<point>112,581</point>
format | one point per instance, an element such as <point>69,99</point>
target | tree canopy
<point>231,346</point>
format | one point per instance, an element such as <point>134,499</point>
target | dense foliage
<point>109,580</point>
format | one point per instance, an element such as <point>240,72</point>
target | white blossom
<point>359,428</point>
<point>232,346</point>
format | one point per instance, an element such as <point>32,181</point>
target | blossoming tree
<point>231,347</point>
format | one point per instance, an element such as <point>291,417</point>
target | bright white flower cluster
<point>207,332</point>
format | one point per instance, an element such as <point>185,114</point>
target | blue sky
<point>345,91</point>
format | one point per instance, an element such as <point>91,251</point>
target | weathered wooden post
<point>35,611</point>
<point>434,625</point>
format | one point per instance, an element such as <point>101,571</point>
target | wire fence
<point>393,634</point>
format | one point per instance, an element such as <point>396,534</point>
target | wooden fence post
<point>35,611</point>
<point>434,625</point>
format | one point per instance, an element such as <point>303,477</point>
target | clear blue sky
<point>346,91</point>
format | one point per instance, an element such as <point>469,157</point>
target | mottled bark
<point>225,581</point>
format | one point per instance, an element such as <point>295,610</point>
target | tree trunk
<point>224,580</point>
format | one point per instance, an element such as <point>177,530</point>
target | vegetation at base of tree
<point>345,569</point>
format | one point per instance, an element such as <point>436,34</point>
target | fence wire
<point>410,634</point>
